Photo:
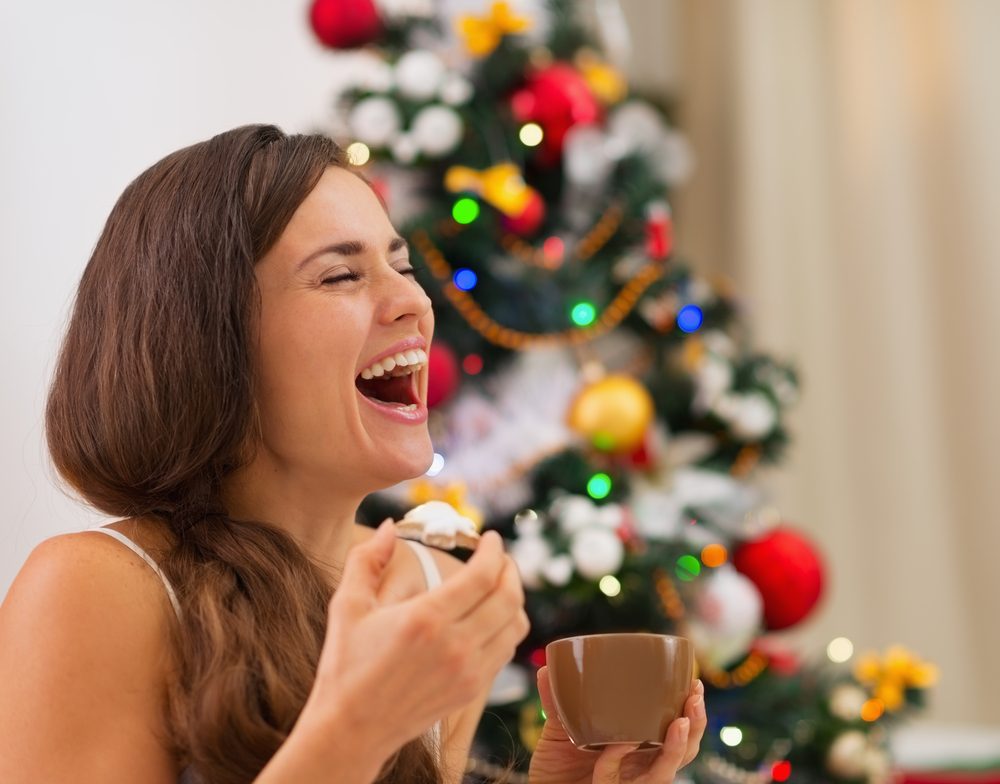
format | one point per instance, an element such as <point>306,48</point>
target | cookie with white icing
<point>438,524</point>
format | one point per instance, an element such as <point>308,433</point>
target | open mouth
<point>393,380</point>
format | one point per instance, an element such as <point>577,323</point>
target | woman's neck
<point>319,517</point>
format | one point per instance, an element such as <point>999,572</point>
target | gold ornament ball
<point>613,413</point>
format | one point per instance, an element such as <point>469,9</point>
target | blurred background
<point>846,181</point>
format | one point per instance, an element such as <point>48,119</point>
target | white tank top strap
<point>146,557</point>
<point>432,574</point>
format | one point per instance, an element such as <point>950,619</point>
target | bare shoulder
<point>84,658</point>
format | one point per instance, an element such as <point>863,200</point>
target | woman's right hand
<point>397,666</point>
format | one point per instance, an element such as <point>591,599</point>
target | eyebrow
<point>349,248</point>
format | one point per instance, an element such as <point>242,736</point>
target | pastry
<point>437,524</point>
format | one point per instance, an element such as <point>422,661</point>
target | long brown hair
<point>152,404</point>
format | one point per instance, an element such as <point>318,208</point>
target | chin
<point>411,461</point>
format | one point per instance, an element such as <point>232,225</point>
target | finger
<point>496,611</point>
<point>552,721</point>
<point>669,760</point>
<point>365,567</point>
<point>463,592</point>
<point>608,768</point>
<point>694,709</point>
<point>500,650</point>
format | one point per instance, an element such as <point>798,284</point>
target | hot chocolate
<point>619,688</point>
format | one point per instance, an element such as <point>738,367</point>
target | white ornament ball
<point>878,765</point>
<point>437,130</point>
<point>754,417</point>
<point>639,124</point>
<point>727,617</point>
<point>558,571</point>
<point>713,378</point>
<point>375,75</point>
<point>847,757</point>
<point>455,89</point>
<point>405,149</point>
<point>596,552</point>
<point>419,74</point>
<point>531,554</point>
<point>611,516</point>
<point>574,513</point>
<point>586,157</point>
<point>374,121</point>
<point>846,701</point>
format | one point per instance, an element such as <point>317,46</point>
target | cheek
<point>306,358</point>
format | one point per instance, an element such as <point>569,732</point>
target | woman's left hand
<point>557,761</point>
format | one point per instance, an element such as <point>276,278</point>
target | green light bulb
<point>465,210</point>
<point>583,314</point>
<point>599,486</point>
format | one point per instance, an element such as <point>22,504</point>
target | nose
<point>402,298</point>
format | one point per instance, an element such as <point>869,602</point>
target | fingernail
<point>698,706</point>
<point>685,726</point>
<point>699,687</point>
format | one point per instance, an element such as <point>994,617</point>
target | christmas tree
<point>593,398</point>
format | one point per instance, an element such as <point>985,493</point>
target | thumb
<point>365,567</point>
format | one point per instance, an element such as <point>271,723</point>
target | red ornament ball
<point>345,24</point>
<point>557,98</point>
<point>788,572</point>
<point>528,220</point>
<point>442,374</point>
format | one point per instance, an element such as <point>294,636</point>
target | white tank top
<point>432,576</point>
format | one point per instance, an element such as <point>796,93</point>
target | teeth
<point>403,363</point>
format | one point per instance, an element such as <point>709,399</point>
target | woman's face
<point>337,298</point>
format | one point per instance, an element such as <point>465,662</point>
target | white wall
<point>91,93</point>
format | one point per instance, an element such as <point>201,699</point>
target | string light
<point>531,134</point>
<point>731,736</point>
<point>598,486</point>
<point>690,318</point>
<point>609,585</point>
<point>714,555</point>
<point>472,364</point>
<point>465,279</point>
<point>781,770</point>
<point>872,710</point>
<point>554,249</point>
<point>358,154</point>
<point>437,465</point>
<point>465,210</point>
<point>840,650</point>
<point>499,335</point>
<point>688,567</point>
<point>583,314</point>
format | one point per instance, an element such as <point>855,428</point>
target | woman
<point>210,395</point>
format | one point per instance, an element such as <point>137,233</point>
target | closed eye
<point>351,276</point>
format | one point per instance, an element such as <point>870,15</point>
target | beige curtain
<point>849,180</point>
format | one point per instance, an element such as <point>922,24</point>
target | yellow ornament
<point>482,34</point>
<point>891,675</point>
<point>605,81</point>
<point>613,413</point>
<point>501,186</point>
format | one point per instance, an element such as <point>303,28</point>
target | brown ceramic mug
<point>619,688</point>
